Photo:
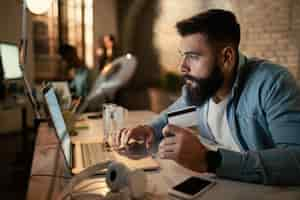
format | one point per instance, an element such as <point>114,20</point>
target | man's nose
<point>184,65</point>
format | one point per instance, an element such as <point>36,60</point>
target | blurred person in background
<point>107,51</point>
<point>77,72</point>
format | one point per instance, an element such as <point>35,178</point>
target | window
<point>67,21</point>
<point>45,43</point>
<point>77,23</point>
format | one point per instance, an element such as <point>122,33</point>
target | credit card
<point>185,117</point>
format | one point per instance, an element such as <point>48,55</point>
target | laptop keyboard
<point>94,153</point>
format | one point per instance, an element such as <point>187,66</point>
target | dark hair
<point>111,37</point>
<point>66,49</point>
<point>220,27</point>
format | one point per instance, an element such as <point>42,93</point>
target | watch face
<point>213,159</point>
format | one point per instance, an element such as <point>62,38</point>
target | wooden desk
<point>47,166</point>
<point>47,160</point>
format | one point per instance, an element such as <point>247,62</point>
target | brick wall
<point>269,29</point>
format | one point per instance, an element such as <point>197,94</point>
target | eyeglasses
<point>190,57</point>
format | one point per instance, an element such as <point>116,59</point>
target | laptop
<point>80,156</point>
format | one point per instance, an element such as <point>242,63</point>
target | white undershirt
<point>218,124</point>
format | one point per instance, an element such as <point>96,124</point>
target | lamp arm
<point>23,62</point>
<point>23,44</point>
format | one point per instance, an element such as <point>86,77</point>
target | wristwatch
<point>213,159</point>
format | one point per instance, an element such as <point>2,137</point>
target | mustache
<point>191,78</point>
<point>203,82</point>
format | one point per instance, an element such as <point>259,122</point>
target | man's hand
<point>182,146</point>
<point>139,133</point>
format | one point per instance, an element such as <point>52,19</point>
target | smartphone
<point>191,188</point>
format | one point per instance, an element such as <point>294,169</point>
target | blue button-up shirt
<point>80,82</point>
<point>264,119</point>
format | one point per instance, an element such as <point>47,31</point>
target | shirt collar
<point>242,61</point>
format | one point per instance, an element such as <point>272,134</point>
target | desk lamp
<point>112,78</point>
<point>35,7</point>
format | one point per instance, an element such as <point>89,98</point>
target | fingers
<point>137,133</point>
<point>146,134</point>
<point>168,141</point>
<point>168,148</point>
<point>120,136</point>
<point>168,155</point>
<point>125,135</point>
<point>149,141</point>
<point>171,130</point>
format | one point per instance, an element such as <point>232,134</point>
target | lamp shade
<point>38,6</point>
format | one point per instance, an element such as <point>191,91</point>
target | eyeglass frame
<point>189,57</point>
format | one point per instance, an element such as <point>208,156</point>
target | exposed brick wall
<point>269,29</point>
<point>268,32</point>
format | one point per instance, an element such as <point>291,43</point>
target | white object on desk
<point>191,187</point>
<point>119,176</point>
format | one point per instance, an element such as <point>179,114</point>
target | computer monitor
<point>9,54</point>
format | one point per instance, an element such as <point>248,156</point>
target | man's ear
<point>228,55</point>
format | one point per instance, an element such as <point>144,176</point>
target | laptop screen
<point>10,61</point>
<point>59,123</point>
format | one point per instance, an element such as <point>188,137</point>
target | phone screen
<point>192,185</point>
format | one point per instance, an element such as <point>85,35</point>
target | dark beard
<point>202,89</point>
